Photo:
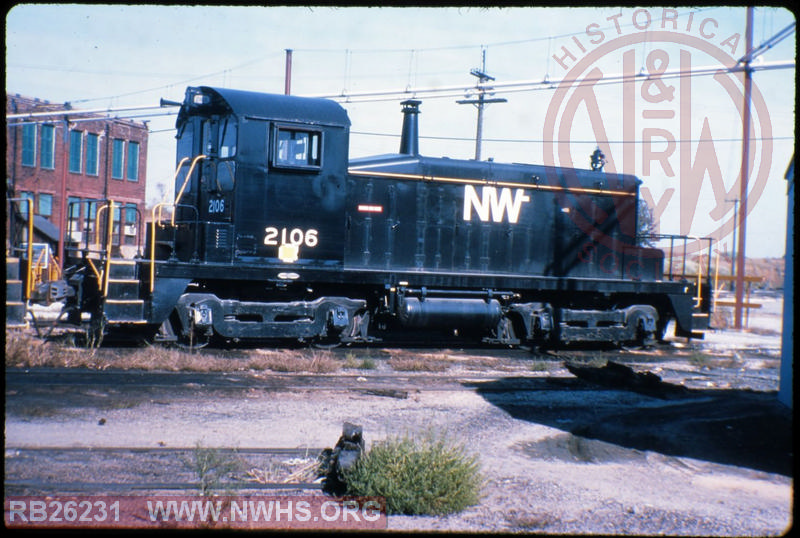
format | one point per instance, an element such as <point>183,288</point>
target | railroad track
<point>369,383</point>
<point>62,470</point>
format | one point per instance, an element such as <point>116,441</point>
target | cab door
<point>217,183</point>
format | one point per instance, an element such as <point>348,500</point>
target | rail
<point>157,213</point>
<point>684,275</point>
<point>157,221</point>
<point>185,181</point>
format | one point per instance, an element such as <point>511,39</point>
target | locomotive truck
<point>274,234</point>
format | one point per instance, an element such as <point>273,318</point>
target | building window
<point>23,206</point>
<point>117,158</point>
<point>130,224</point>
<point>73,207</point>
<point>74,218</point>
<point>92,146</point>
<point>45,204</point>
<point>115,230</point>
<point>29,144</point>
<point>91,214</point>
<point>75,150</point>
<point>133,161</point>
<point>47,155</point>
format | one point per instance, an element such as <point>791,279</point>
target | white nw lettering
<point>489,203</point>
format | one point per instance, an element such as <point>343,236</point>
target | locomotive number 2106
<point>296,236</point>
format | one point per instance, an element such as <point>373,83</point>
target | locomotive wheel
<point>644,338</point>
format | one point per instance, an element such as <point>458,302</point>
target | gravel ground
<point>564,457</point>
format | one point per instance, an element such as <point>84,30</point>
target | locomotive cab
<point>260,178</point>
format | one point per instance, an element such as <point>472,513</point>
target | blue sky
<point>128,55</point>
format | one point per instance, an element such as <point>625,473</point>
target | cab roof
<point>291,108</point>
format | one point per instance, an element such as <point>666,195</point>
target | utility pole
<point>748,85</point>
<point>735,224</point>
<point>287,87</point>
<point>481,101</point>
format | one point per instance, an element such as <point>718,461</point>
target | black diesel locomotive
<point>274,235</point>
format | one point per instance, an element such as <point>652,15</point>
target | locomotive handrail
<point>185,181</point>
<point>177,171</point>
<point>155,221</point>
<point>158,206</point>
<point>28,280</point>
<point>104,249</point>
<point>99,211</point>
<point>88,246</point>
<point>52,268</point>
<point>109,239</point>
<point>698,299</point>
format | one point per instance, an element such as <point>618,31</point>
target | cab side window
<point>297,148</point>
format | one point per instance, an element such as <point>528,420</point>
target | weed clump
<point>428,475</point>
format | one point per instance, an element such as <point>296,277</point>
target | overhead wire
<point>349,52</point>
<point>428,93</point>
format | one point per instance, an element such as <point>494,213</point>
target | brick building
<point>83,158</point>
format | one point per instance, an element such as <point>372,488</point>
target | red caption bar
<point>234,512</point>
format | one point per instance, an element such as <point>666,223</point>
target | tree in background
<point>646,224</point>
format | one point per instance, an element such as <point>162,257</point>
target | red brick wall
<point>81,185</point>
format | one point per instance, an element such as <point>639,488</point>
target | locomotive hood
<point>278,107</point>
<point>433,168</point>
<point>410,164</point>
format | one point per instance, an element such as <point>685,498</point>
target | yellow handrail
<point>94,269</point>
<point>97,224</point>
<point>37,266</point>
<point>29,250</point>
<point>185,182</point>
<point>153,223</point>
<point>110,236</point>
<point>178,171</point>
<point>174,205</point>
<point>699,298</point>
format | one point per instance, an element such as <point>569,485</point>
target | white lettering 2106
<point>296,236</point>
<point>489,202</point>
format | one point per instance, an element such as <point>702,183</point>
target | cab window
<point>297,148</point>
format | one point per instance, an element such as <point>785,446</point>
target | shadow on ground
<point>731,427</point>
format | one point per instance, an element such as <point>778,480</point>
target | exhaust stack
<point>409,141</point>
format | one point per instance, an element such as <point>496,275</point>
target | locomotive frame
<point>273,234</point>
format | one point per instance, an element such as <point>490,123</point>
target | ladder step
<point>121,269</point>
<point>124,310</point>
<point>12,268</point>
<point>123,288</point>
<point>15,314</point>
<point>13,290</point>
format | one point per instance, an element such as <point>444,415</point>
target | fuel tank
<point>414,312</point>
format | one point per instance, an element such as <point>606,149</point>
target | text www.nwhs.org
<point>255,512</point>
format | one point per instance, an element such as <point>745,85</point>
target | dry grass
<point>25,351</point>
<point>411,362</point>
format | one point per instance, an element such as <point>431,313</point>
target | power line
<point>225,71</point>
<point>531,85</point>
<point>540,141</point>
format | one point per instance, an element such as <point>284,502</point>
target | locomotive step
<point>120,269</point>
<point>12,268</point>
<point>701,321</point>
<point>13,290</point>
<point>123,288</point>
<point>124,311</point>
<point>15,314</point>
